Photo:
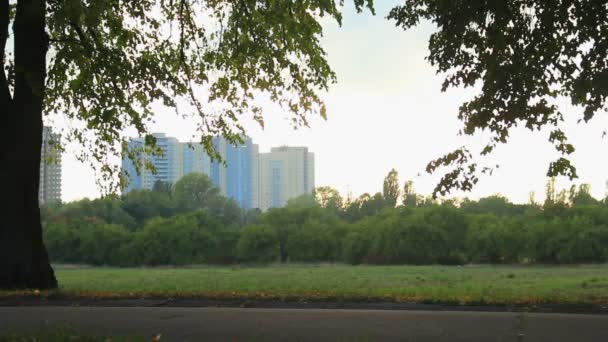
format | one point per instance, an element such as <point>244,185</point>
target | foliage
<point>144,204</point>
<point>110,63</point>
<point>329,198</point>
<point>410,198</point>
<point>523,56</point>
<point>390,188</point>
<point>159,228</point>
<point>258,243</point>
<point>195,192</point>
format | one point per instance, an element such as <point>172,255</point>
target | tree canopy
<point>488,230</point>
<point>110,63</point>
<point>103,66</point>
<point>390,188</point>
<point>523,56</point>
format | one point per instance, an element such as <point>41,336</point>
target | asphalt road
<point>232,324</point>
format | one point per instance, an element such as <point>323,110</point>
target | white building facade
<point>285,173</point>
<point>169,166</point>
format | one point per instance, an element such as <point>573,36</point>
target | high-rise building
<point>169,166</point>
<point>196,159</point>
<point>50,167</point>
<point>218,171</point>
<point>239,177</point>
<point>285,173</point>
<point>252,179</point>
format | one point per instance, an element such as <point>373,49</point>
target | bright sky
<point>387,111</point>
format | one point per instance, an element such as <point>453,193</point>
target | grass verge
<point>62,334</point>
<point>470,285</point>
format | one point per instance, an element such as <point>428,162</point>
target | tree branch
<point>5,94</point>
<point>84,41</point>
<point>66,41</point>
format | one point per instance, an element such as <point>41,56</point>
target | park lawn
<point>500,285</point>
<point>61,334</point>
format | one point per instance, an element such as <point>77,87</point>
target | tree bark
<point>24,261</point>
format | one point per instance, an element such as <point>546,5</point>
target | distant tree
<point>551,193</point>
<point>108,209</point>
<point>231,212</point>
<point>583,195</point>
<point>352,210</point>
<point>329,198</point>
<point>355,247</point>
<point>143,204</point>
<point>562,198</point>
<point>372,205</point>
<point>302,201</point>
<point>251,216</point>
<point>532,199</point>
<point>509,50</point>
<point>289,220</point>
<point>390,188</point>
<point>427,201</point>
<point>572,193</point>
<point>496,204</point>
<point>197,192</point>
<point>282,221</point>
<point>258,243</point>
<point>410,197</point>
<point>160,186</point>
<point>317,239</point>
<point>493,240</point>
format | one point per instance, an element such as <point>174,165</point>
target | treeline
<point>191,223</point>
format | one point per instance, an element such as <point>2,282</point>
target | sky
<point>387,111</point>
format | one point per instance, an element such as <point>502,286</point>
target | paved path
<point>231,324</point>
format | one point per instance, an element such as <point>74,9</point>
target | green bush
<point>258,243</point>
<point>163,228</point>
<point>356,248</point>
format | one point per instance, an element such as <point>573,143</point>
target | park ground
<point>584,285</point>
<point>298,302</point>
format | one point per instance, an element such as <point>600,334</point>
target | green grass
<point>448,284</point>
<point>60,334</point>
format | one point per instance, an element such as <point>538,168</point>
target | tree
<point>231,213</point>
<point>258,243</point>
<point>390,188</point>
<point>111,61</point>
<point>373,205</point>
<point>582,196</point>
<point>551,193</point>
<point>523,56</point>
<point>195,192</point>
<point>410,197</point>
<point>532,199</point>
<point>329,198</point>
<point>495,204</point>
<point>108,210</point>
<point>143,204</point>
<point>160,186</point>
<point>251,217</point>
<point>290,219</point>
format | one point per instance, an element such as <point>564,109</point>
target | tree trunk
<point>24,262</point>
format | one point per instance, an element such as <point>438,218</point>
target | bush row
<point>303,231</point>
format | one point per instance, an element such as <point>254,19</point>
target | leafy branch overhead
<point>524,55</point>
<point>111,61</point>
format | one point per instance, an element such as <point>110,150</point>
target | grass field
<point>448,284</point>
<point>59,334</point>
